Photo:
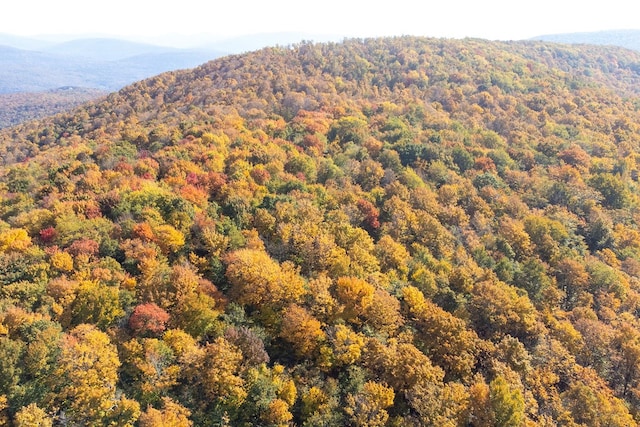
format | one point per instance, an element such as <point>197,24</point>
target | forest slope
<point>379,232</point>
<point>19,107</point>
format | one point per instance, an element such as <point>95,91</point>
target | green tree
<point>614,191</point>
<point>507,402</point>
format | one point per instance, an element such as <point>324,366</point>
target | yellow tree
<point>171,414</point>
<point>277,414</point>
<point>4,406</point>
<point>301,330</point>
<point>480,410</point>
<point>15,239</point>
<point>260,281</point>
<point>445,338</point>
<point>626,358</point>
<point>412,375</point>
<point>271,395</point>
<point>392,255</point>
<point>573,279</point>
<point>356,295</point>
<point>592,403</point>
<point>368,407</point>
<point>218,374</point>
<point>347,345</point>
<point>497,309</point>
<point>84,383</point>
<point>384,312</point>
<point>322,303</point>
<point>149,363</point>
<point>96,304</point>
<point>32,416</point>
<point>169,239</point>
<point>513,231</point>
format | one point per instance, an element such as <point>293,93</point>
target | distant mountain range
<point>102,49</point>
<point>624,38</point>
<point>105,64</point>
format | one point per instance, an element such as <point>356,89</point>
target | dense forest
<point>380,232</point>
<point>16,108</point>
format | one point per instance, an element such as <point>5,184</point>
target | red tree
<point>148,319</point>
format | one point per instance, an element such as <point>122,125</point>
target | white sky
<point>491,19</point>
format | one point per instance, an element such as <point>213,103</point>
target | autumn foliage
<point>378,232</point>
<point>148,319</point>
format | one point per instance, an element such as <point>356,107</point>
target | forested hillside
<point>400,232</point>
<point>16,108</point>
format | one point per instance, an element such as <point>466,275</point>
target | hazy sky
<point>492,19</point>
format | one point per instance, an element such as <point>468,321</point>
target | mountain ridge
<point>629,39</point>
<point>106,49</point>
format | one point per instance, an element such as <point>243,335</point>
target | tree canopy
<point>398,231</point>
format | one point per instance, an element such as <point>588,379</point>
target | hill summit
<point>398,231</point>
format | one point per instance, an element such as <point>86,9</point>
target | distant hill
<point>20,42</point>
<point>97,63</point>
<point>624,38</point>
<point>39,78</point>
<point>19,107</point>
<point>104,49</point>
<point>33,71</point>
